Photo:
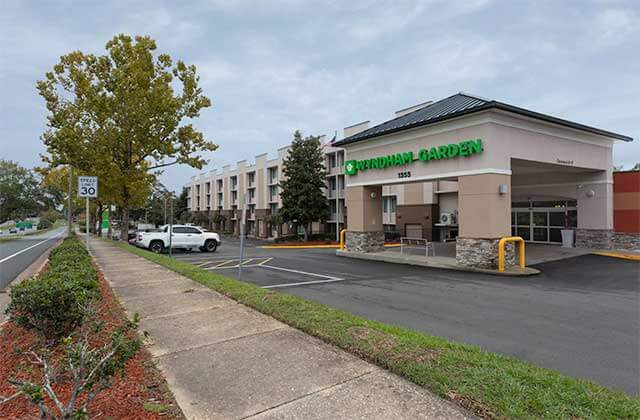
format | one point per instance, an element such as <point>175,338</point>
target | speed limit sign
<point>88,186</point>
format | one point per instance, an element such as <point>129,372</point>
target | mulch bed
<point>141,394</point>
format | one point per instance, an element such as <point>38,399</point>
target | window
<point>333,162</point>
<point>234,182</point>
<point>273,175</point>
<point>192,230</point>
<point>234,196</point>
<point>251,178</point>
<point>273,207</point>
<point>252,195</point>
<point>389,204</point>
<point>273,192</point>
<point>179,229</point>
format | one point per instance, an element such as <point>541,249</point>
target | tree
<point>124,113</point>
<point>181,209</point>
<point>303,201</point>
<point>19,191</point>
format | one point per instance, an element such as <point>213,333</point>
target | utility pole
<point>70,186</point>
<point>165,208</point>
<point>170,225</point>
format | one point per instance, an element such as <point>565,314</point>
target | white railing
<point>415,242</point>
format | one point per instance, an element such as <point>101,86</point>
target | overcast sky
<point>271,67</point>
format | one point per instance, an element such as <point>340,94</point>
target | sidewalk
<point>224,360</point>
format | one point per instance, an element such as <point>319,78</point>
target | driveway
<point>581,316</point>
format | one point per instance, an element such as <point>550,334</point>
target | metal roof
<point>458,105</point>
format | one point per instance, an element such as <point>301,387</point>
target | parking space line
<point>302,283</point>
<point>327,279</point>
<point>265,261</point>
<point>221,264</point>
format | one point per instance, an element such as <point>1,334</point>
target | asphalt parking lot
<point>581,316</point>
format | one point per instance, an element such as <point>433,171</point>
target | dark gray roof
<point>455,106</point>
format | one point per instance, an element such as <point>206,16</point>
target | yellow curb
<point>620,255</point>
<point>311,246</point>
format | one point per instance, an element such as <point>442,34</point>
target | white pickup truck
<point>185,237</point>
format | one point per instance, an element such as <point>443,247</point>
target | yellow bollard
<point>342,232</point>
<point>501,256</point>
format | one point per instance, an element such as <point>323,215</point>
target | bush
<point>53,303</point>
<point>44,224</point>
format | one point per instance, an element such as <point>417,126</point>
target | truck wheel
<point>156,247</point>
<point>210,245</point>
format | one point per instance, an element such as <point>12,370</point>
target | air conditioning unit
<point>447,218</point>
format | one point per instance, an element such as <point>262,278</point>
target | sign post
<point>87,188</point>
<point>243,220</point>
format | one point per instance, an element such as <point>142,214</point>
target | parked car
<point>13,230</point>
<point>183,237</point>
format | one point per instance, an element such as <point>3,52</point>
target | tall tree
<point>124,113</point>
<point>303,201</point>
<point>20,194</point>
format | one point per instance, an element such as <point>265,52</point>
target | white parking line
<point>327,279</point>
<point>28,248</point>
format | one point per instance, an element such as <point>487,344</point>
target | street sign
<point>88,186</point>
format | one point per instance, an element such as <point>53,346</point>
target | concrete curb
<point>620,255</point>
<point>435,262</point>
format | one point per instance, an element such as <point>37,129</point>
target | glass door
<point>542,224</point>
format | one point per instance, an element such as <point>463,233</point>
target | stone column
<point>595,212</point>
<point>365,232</point>
<point>484,216</point>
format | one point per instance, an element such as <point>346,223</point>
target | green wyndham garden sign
<point>464,148</point>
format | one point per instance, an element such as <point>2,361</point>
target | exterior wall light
<point>503,189</point>
<point>373,195</point>
<point>591,193</point>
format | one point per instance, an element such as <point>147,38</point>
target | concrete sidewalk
<point>225,360</point>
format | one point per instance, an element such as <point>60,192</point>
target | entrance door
<point>542,224</point>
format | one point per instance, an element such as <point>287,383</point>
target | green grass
<point>489,384</point>
<point>156,408</point>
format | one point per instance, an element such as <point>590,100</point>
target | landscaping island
<point>49,323</point>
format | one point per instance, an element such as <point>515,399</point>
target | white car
<point>184,237</point>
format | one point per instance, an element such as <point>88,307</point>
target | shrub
<point>53,303</point>
<point>49,304</point>
<point>44,224</point>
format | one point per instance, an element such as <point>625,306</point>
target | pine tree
<point>303,201</point>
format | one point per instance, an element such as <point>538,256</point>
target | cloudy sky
<point>271,67</point>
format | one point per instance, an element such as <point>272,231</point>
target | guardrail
<point>408,241</point>
<point>501,253</point>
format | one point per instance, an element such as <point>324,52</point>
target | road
<point>581,316</point>
<point>16,255</point>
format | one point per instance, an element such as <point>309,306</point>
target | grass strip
<point>488,384</point>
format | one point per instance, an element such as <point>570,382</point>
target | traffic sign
<point>88,186</point>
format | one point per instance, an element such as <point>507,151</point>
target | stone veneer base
<point>482,253</point>
<point>364,241</point>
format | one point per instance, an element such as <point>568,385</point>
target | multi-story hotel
<point>561,174</point>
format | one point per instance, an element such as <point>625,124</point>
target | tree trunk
<point>109,232</point>
<point>99,219</point>
<point>305,231</point>
<point>124,229</point>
